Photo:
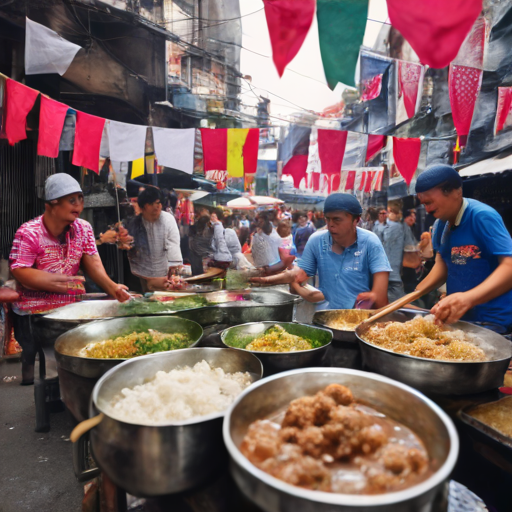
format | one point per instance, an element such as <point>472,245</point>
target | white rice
<point>179,395</point>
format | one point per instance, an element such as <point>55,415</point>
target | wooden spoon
<point>397,304</point>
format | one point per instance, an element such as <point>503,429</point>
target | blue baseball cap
<point>436,175</point>
<point>342,203</point>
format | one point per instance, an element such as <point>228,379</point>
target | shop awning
<point>499,163</point>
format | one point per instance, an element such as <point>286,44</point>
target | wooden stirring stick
<point>397,304</point>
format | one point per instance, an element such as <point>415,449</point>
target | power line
<point>194,18</point>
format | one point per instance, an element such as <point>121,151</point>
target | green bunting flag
<point>341,26</point>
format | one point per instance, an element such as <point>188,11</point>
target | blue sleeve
<point>493,233</point>
<point>437,231</point>
<point>308,261</point>
<point>377,259</point>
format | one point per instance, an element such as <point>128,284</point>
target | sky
<point>303,85</point>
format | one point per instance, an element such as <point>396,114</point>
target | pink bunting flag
<point>406,153</point>
<point>371,88</point>
<point>435,29</point>
<point>375,144</point>
<point>88,132</point>
<point>463,87</point>
<point>51,122</point>
<point>409,76</point>
<point>296,168</point>
<point>379,178</point>
<point>503,112</point>
<point>331,148</point>
<point>20,100</point>
<point>349,180</point>
<point>288,24</point>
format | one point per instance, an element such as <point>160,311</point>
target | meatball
<point>322,409</point>
<point>261,441</point>
<point>340,394</point>
<point>300,413</point>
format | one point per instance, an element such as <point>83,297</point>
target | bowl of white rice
<point>161,430</point>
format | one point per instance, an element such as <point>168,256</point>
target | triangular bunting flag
<point>288,23</point>
<point>51,122</point>
<point>406,153</point>
<point>20,100</point>
<point>87,141</point>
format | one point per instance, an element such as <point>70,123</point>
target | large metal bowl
<point>441,377</point>
<point>398,401</point>
<point>345,348</point>
<point>153,461</point>
<point>240,336</point>
<point>78,374</point>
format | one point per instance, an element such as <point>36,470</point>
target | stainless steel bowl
<point>241,335</point>
<point>78,375</point>
<point>398,401</point>
<point>152,461</point>
<point>441,377</point>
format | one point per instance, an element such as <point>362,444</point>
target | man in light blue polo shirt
<point>351,263</point>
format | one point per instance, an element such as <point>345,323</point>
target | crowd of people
<point>356,260</point>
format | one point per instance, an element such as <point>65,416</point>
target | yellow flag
<point>137,168</point>
<point>235,159</point>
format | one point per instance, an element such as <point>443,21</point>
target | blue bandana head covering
<point>342,203</point>
<point>436,175</point>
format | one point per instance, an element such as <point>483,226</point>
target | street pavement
<point>36,469</point>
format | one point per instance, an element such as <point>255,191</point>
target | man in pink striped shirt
<point>46,256</point>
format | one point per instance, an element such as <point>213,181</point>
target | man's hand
<point>451,308</point>
<point>120,293</point>
<point>70,285</point>
<point>370,297</point>
<point>173,271</point>
<point>8,295</point>
<point>109,237</point>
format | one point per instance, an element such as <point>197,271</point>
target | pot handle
<point>84,427</point>
<point>81,460</point>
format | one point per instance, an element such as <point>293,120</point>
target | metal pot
<point>441,377</point>
<point>78,375</point>
<point>398,401</point>
<point>273,362</point>
<point>157,460</point>
<point>345,348</point>
<point>234,307</point>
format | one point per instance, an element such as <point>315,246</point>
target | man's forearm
<point>35,279</point>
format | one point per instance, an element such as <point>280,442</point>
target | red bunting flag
<point>20,100</point>
<point>51,122</point>
<point>234,150</point>
<point>463,86</point>
<point>406,153</point>
<point>504,108</point>
<point>288,24</point>
<point>331,148</point>
<point>371,88</point>
<point>409,75</point>
<point>435,29</point>
<point>348,180</point>
<point>361,176</point>
<point>296,168</point>
<point>375,144</point>
<point>88,132</point>
<point>379,178</point>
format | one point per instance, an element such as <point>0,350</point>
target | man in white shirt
<point>156,252</point>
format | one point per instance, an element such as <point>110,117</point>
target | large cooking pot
<point>78,374</point>
<point>241,335</point>
<point>441,377</point>
<point>158,460</point>
<point>398,401</point>
<point>231,307</point>
<point>345,348</point>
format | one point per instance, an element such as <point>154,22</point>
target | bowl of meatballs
<point>328,439</point>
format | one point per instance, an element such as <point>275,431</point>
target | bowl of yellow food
<point>280,346</point>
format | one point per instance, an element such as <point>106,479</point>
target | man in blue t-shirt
<point>351,263</point>
<point>474,252</point>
